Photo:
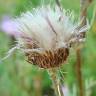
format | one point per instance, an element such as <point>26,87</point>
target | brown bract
<point>48,59</point>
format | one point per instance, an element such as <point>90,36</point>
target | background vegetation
<point>18,78</point>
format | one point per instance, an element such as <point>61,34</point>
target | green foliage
<point>19,78</point>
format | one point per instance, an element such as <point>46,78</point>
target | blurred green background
<point>18,78</point>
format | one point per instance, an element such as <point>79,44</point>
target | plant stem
<point>83,14</point>
<point>58,4</point>
<point>80,91</point>
<point>56,82</point>
<point>84,4</point>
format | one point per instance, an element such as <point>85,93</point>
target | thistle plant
<point>46,36</point>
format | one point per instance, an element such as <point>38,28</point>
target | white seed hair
<point>48,26</point>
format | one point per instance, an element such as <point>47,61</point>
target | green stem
<point>56,82</point>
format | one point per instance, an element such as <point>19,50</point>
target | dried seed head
<point>49,59</point>
<point>46,34</point>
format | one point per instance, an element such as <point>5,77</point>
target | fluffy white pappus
<point>46,27</point>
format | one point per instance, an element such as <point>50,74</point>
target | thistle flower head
<point>46,33</point>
